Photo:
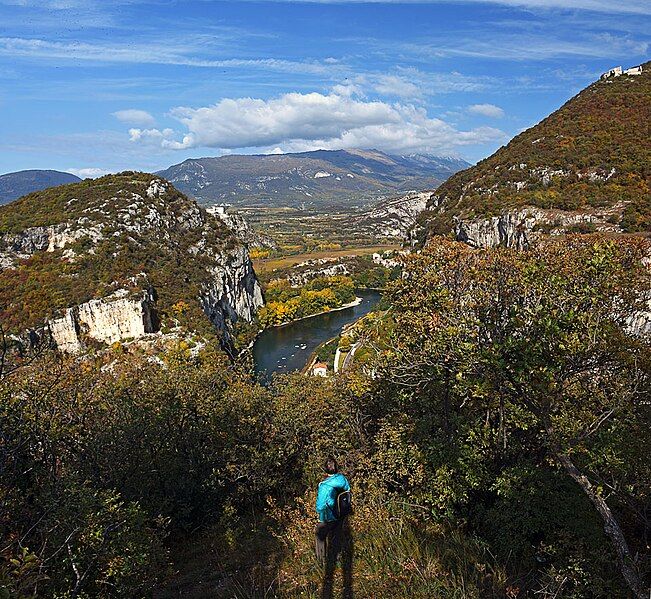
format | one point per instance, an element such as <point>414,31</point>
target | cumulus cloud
<point>489,110</point>
<point>151,135</point>
<point>394,85</point>
<point>133,116</point>
<point>295,121</point>
<point>91,172</point>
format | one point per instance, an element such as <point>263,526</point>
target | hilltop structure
<point>617,71</point>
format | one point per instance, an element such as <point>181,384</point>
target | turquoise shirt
<point>326,498</point>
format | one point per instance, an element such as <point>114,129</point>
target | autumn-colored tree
<point>504,354</point>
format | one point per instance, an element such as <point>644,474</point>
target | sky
<point>97,86</point>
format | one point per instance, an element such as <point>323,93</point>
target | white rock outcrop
<point>394,217</point>
<point>522,227</point>
<point>117,317</point>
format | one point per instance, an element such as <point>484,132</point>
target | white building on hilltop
<point>617,71</point>
<point>634,70</point>
<point>219,210</point>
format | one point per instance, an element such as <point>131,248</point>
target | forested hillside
<point>497,445</point>
<point>122,236</point>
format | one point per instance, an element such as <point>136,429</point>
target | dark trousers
<point>332,540</point>
<point>328,539</point>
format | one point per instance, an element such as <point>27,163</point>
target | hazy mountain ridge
<point>586,165</point>
<point>319,177</point>
<point>20,183</point>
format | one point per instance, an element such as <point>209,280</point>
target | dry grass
<point>396,555</point>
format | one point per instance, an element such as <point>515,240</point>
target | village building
<point>634,70</point>
<point>219,210</point>
<point>614,72</point>
<point>320,369</point>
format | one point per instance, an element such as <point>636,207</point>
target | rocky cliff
<point>520,228</point>
<point>392,218</point>
<point>117,317</point>
<point>584,167</point>
<point>119,258</point>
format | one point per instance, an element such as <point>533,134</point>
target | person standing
<point>333,504</point>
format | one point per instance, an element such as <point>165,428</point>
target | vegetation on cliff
<point>125,231</point>
<point>592,152</point>
<point>503,419</point>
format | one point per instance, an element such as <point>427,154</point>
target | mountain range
<point>322,177</point>
<point>15,185</point>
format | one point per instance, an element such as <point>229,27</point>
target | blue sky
<point>94,86</point>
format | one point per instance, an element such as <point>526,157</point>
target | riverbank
<point>289,348</point>
<point>356,302</point>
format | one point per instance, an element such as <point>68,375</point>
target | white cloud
<point>181,53</point>
<point>91,172</point>
<point>607,6</point>
<point>296,121</point>
<point>489,110</point>
<point>394,85</point>
<point>151,135</point>
<point>133,116</point>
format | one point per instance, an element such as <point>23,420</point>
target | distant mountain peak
<point>318,178</point>
<point>20,183</point>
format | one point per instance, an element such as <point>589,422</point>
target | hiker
<point>333,504</point>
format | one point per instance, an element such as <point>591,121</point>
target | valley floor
<point>266,265</point>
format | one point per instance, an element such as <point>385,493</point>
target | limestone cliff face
<point>233,292</point>
<point>114,318</point>
<point>520,228</point>
<point>131,250</point>
<point>393,218</point>
<point>640,324</point>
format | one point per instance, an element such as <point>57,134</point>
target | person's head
<point>330,466</point>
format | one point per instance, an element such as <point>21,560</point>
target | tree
<point>540,344</point>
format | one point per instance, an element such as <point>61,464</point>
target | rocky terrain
<point>16,185</point>
<point>336,177</point>
<point>392,218</point>
<point>562,175</point>
<point>240,227</point>
<point>119,258</point>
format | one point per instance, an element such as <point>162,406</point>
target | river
<point>287,348</point>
